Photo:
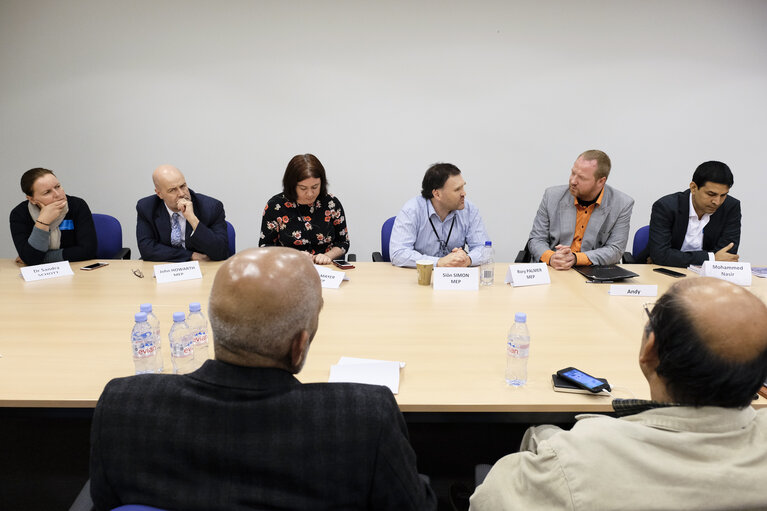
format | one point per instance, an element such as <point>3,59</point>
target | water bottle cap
<point>145,307</point>
<point>194,307</point>
<point>488,243</point>
<point>178,317</point>
<point>140,317</point>
<point>520,317</point>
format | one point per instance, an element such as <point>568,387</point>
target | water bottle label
<point>487,274</point>
<point>516,351</point>
<point>181,349</point>
<point>143,349</point>
<point>201,338</point>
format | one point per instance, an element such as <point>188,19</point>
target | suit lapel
<point>682,219</point>
<point>566,220</point>
<point>598,217</point>
<point>162,222</point>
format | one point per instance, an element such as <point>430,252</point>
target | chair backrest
<point>641,237</point>
<point>230,232</point>
<point>385,236</point>
<point>109,234</point>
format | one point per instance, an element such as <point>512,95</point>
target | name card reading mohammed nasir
<point>737,273</point>
<point>633,290</point>
<point>458,279</point>
<point>330,279</point>
<point>176,272</point>
<point>46,271</point>
<point>529,274</point>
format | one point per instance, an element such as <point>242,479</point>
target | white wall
<point>102,92</point>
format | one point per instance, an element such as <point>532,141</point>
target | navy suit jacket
<point>235,438</point>
<point>668,227</point>
<point>153,230</point>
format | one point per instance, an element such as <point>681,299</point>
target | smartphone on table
<point>94,266</point>
<point>670,273</point>
<point>343,264</point>
<point>583,380</point>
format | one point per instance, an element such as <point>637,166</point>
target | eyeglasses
<point>138,273</point>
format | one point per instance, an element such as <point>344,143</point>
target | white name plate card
<point>460,279</point>
<point>46,271</point>
<point>633,290</point>
<point>529,274</point>
<point>176,272</point>
<point>737,273</point>
<point>330,279</point>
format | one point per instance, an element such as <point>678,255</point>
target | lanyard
<point>443,244</point>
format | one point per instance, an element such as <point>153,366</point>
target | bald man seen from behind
<point>176,224</point>
<point>698,444</point>
<point>241,432</point>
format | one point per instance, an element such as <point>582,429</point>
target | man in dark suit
<point>696,225</point>
<point>242,432</point>
<point>177,224</point>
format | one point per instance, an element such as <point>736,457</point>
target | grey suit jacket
<point>606,234</point>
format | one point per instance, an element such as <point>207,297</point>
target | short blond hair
<point>603,162</point>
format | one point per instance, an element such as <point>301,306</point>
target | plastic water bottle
<point>144,347</point>
<point>517,351</point>
<point>181,345</point>
<point>199,327</point>
<point>487,268</point>
<point>154,322</point>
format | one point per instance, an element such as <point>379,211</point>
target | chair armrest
<point>377,257</point>
<point>124,253</point>
<point>628,258</point>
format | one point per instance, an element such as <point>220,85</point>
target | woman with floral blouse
<point>305,216</point>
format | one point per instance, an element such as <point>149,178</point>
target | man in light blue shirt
<point>439,224</point>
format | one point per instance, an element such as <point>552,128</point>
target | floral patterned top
<point>315,228</point>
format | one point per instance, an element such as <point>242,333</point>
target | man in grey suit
<point>242,432</point>
<point>582,223</point>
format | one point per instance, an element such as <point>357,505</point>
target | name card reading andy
<point>461,279</point>
<point>46,271</point>
<point>530,274</point>
<point>176,272</point>
<point>633,290</point>
<point>330,279</point>
<point>737,273</point>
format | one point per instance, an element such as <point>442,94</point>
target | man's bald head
<point>170,185</point>
<point>262,301</point>
<point>711,342</point>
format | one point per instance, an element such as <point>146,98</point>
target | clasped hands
<point>563,259</point>
<point>456,258</point>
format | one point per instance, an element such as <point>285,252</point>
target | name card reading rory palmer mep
<point>46,271</point>
<point>633,290</point>
<point>176,272</point>
<point>530,274</point>
<point>737,273</point>
<point>330,279</point>
<point>460,279</point>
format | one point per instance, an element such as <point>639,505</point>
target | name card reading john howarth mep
<point>175,272</point>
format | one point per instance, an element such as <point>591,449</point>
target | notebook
<point>605,273</point>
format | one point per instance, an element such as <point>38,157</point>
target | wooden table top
<point>63,339</point>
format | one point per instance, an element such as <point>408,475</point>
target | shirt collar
<point>694,214</point>
<point>599,199</point>
<point>624,407</point>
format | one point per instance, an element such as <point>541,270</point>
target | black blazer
<point>153,230</point>
<point>235,438</point>
<point>78,243</point>
<point>668,226</point>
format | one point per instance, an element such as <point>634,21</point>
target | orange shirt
<point>582,217</point>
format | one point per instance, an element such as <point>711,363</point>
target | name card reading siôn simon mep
<point>176,272</point>
<point>529,274</point>
<point>330,279</point>
<point>459,279</point>
<point>737,273</point>
<point>46,271</point>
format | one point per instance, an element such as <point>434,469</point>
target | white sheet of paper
<point>633,290</point>
<point>460,279</point>
<point>175,272</point>
<point>46,271</point>
<point>355,360</point>
<point>373,372</point>
<point>528,274</point>
<point>330,279</point>
<point>737,273</point>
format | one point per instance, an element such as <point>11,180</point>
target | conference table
<point>63,339</point>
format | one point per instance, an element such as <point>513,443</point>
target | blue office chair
<point>383,255</point>
<point>230,232</point>
<point>109,234</point>
<point>641,238</point>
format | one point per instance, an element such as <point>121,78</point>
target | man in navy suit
<point>177,224</point>
<point>242,432</point>
<point>696,225</point>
